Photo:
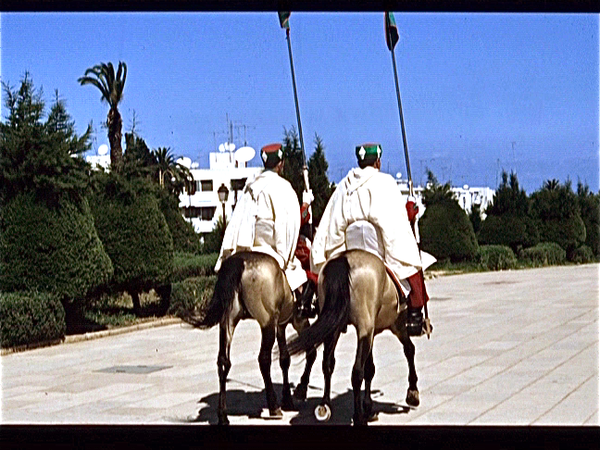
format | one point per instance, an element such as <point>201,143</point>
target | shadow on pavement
<point>251,405</point>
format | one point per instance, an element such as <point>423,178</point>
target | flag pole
<point>304,164</point>
<point>391,46</point>
<point>404,140</point>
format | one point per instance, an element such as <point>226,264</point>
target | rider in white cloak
<point>267,219</point>
<point>367,211</point>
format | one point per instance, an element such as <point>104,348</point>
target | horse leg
<point>365,343</point>
<point>399,329</point>
<point>328,365</point>
<point>311,355</point>
<point>368,401</point>
<point>284,362</point>
<point>224,364</point>
<point>264,361</point>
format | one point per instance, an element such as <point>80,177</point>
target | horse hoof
<point>323,413</point>
<point>412,397</point>
<point>373,417</point>
<point>275,414</point>
<point>300,393</point>
<point>223,421</point>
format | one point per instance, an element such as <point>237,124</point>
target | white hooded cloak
<point>266,219</point>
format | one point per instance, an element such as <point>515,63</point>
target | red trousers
<point>418,294</point>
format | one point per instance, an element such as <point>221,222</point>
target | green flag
<point>391,31</point>
<point>284,19</point>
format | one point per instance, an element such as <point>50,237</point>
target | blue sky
<point>480,92</point>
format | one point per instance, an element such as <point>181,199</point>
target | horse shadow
<point>251,404</point>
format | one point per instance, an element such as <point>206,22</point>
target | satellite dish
<point>230,146</point>
<point>466,187</point>
<point>244,154</point>
<point>185,161</point>
<point>103,149</point>
<point>398,175</point>
<point>195,165</point>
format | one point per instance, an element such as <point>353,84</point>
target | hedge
<point>583,255</point>
<point>185,238</point>
<point>496,257</point>
<point>447,233</point>
<point>30,317</point>
<point>134,232</point>
<point>513,231</point>
<point>191,294</point>
<point>51,249</point>
<point>544,254</point>
<point>191,265</point>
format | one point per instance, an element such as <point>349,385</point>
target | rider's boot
<point>414,322</point>
<point>305,307</point>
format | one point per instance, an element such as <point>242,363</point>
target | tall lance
<point>391,38</point>
<point>284,21</point>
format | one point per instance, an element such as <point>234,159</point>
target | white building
<point>466,196</point>
<point>226,168</point>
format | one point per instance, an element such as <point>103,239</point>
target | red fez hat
<point>271,154</point>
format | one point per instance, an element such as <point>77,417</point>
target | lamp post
<point>161,177</point>
<point>223,195</point>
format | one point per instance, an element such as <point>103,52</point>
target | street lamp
<point>161,177</point>
<point>223,195</point>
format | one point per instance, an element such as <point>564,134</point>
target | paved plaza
<point>509,348</point>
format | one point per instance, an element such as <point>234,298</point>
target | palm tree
<point>171,174</point>
<point>111,87</point>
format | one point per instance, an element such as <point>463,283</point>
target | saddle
<point>402,299</point>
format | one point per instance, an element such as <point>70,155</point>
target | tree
<point>37,156</point>
<point>293,155</point>
<point>111,86</point>
<point>445,229</point>
<point>508,221</point>
<point>138,159</point>
<point>556,211</point>
<point>48,240</point>
<point>169,173</point>
<point>320,185</point>
<point>589,206</point>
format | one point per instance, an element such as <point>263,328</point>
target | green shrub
<point>134,232</point>
<point>51,249</point>
<point>544,254</point>
<point>192,293</point>
<point>30,317</point>
<point>496,257</point>
<point>509,230</point>
<point>185,238</point>
<point>447,233</point>
<point>191,265</point>
<point>583,255</point>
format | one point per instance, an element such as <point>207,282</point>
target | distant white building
<point>467,196</point>
<point>226,168</point>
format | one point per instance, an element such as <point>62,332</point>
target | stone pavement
<point>509,348</point>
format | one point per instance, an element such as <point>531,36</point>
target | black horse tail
<point>228,283</point>
<point>336,308</point>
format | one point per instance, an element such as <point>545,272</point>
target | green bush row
<point>496,257</point>
<point>188,265</point>
<point>544,254</point>
<point>190,294</point>
<point>30,317</point>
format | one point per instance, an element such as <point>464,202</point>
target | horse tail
<point>336,308</point>
<point>228,283</point>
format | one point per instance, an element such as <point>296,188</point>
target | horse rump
<point>227,284</point>
<point>336,307</point>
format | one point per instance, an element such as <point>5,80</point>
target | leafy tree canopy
<point>41,156</point>
<point>509,199</point>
